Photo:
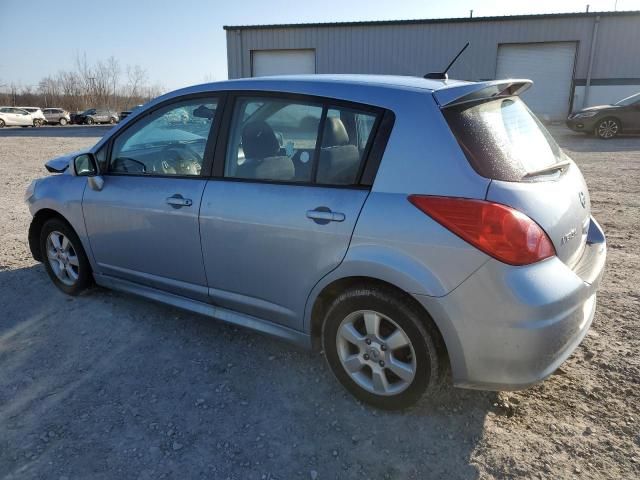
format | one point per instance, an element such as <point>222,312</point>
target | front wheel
<point>64,258</point>
<point>381,347</point>
<point>62,121</point>
<point>1,123</point>
<point>89,121</point>
<point>608,128</point>
<point>112,121</point>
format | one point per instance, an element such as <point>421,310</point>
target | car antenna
<point>443,75</point>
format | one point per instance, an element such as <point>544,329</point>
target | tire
<point>1,123</point>
<point>608,128</point>
<point>62,122</point>
<point>368,355</point>
<point>89,121</point>
<point>112,121</point>
<point>57,264</point>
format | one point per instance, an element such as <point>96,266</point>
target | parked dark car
<point>607,121</point>
<point>126,113</point>
<point>95,115</point>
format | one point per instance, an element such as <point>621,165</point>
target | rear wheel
<point>1,123</point>
<point>112,120</point>
<point>89,121</point>
<point>62,121</point>
<point>64,258</point>
<point>608,128</point>
<point>380,347</point>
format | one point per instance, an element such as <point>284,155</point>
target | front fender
<point>63,194</point>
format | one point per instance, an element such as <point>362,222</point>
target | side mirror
<point>85,165</point>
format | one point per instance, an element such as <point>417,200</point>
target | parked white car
<point>10,116</point>
<point>38,116</point>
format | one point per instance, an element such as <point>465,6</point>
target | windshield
<point>502,139</point>
<point>625,102</point>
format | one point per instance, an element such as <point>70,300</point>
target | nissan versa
<point>408,227</point>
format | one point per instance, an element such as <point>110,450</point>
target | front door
<point>143,223</point>
<point>630,116</point>
<point>282,215</point>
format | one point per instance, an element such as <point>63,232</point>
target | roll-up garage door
<point>549,65</point>
<point>282,62</point>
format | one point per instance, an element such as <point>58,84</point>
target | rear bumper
<point>507,327</point>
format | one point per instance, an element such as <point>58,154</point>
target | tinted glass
<point>502,139</point>
<point>345,138</point>
<point>272,139</point>
<point>169,141</point>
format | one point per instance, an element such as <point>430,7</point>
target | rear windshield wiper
<point>560,166</point>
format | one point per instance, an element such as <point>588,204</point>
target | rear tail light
<point>502,232</point>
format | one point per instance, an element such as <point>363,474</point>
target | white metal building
<point>575,60</point>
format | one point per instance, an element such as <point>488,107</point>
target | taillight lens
<point>502,232</point>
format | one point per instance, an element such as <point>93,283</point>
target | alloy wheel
<point>608,128</point>
<point>376,352</point>
<point>63,258</point>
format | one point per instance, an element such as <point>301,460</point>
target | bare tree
<point>136,78</point>
<point>89,84</point>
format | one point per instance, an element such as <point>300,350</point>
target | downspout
<point>592,54</point>
<point>241,55</point>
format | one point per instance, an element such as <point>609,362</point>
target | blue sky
<point>181,42</point>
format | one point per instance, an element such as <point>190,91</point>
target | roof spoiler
<point>471,92</point>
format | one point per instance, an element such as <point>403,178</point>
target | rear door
<point>281,212</point>
<point>504,141</point>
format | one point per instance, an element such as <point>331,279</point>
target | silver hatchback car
<point>407,227</point>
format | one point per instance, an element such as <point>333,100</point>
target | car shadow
<point>108,384</point>
<point>69,131</point>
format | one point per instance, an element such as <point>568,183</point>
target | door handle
<point>178,201</point>
<point>324,215</point>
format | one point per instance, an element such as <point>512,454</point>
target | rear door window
<point>502,139</point>
<point>315,142</point>
<point>345,138</point>
<point>273,139</point>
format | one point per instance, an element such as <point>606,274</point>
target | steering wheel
<point>183,159</point>
<point>121,163</point>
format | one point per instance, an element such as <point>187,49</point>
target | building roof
<point>502,18</point>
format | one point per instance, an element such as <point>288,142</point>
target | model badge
<point>570,234</point>
<point>583,199</point>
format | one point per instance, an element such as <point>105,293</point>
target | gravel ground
<point>110,386</point>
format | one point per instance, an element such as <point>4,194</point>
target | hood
<point>598,107</point>
<point>61,164</point>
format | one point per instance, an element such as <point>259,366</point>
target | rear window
<point>502,139</point>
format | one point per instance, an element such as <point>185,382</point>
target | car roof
<point>284,81</point>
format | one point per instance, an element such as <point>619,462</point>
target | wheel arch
<point>334,288</point>
<point>39,219</point>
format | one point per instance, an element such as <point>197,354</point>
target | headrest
<point>334,133</point>
<point>259,140</point>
